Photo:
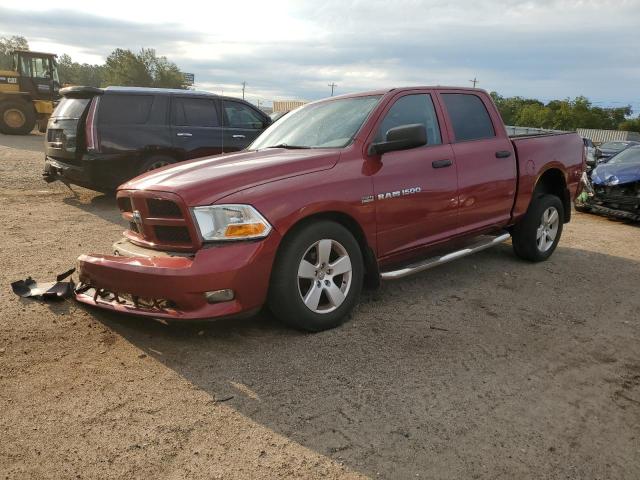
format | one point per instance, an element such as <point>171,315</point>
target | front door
<point>196,126</point>
<point>242,125</point>
<point>416,189</point>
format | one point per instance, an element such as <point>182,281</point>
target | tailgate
<point>65,130</point>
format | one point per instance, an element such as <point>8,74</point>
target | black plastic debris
<point>58,290</point>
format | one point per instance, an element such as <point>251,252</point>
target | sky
<point>286,49</point>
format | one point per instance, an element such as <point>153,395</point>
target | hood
<point>615,173</point>
<point>206,180</point>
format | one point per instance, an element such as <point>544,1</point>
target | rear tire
<point>155,161</point>
<point>17,117</point>
<point>317,277</point>
<point>536,236</point>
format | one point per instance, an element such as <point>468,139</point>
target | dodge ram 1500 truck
<point>341,192</point>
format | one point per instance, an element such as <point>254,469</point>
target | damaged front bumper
<point>163,285</point>
<point>619,201</point>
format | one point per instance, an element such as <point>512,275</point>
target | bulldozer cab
<point>37,74</point>
<point>28,92</point>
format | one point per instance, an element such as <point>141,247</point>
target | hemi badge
<point>367,199</point>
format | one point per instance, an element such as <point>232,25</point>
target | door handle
<point>184,134</point>
<point>503,154</point>
<point>441,163</point>
<point>238,136</point>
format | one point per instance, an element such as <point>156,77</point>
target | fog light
<point>219,295</point>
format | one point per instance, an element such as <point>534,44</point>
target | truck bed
<point>538,153</point>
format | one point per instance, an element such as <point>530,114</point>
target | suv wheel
<point>317,277</point>
<point>16,118</point>
<point>536,236</point>
<point>155,161</point>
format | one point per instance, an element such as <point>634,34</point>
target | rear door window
<point>195,112</point>
<point>70,108</point>
<point>469,117</point>
<point>124,109</point>
<point>408,110</point>
<point>239,115</point>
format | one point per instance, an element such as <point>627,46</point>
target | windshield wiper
<point>290,147</point>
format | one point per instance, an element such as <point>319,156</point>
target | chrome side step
<point>486,242</point>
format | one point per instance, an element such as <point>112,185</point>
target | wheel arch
<point>372,273</point>
<point>553,181</point>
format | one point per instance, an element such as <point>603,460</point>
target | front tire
<point>536,236</point>
<point>317,277</point>
<point>17,117</point>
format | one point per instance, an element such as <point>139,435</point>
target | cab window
<point>408,110</point>
<point>469,117</point>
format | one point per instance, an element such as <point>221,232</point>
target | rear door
<point>65,130</point>
<point>487,174</point>
<point>242,125</point>
<point>415,190</point>
<point>196,126</point>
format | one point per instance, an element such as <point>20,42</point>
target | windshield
<point>630,155</point>
<point>614,145</point>
<point>321,125</point>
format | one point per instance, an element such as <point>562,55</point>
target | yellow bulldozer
<point>28,92</point>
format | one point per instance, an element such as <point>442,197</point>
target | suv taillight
<point>90,126</point>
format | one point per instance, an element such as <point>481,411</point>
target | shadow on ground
<point>102,205</point>
<point>478,367</point>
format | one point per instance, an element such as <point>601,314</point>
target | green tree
<point>144,69</point>
<point>7,45</point>
<point>73,73</point>
<point>567,114</point>
<point>631,125</point>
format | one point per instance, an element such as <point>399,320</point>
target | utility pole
<point>332,85</point>
<point>474,81</point>
<point>244,84</point>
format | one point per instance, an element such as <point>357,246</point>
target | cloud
<point>544,48</point>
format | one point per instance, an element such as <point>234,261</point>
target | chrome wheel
<point>324,276</point>
<point>548,229</point>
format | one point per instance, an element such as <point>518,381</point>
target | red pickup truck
<point>341,192</point>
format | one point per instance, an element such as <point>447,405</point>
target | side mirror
<point>401,138</point>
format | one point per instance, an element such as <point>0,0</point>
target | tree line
<point>122,67</point>
<point>568,114</point>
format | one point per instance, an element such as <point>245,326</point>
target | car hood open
<point>616,173</point>
<point>205,180</point>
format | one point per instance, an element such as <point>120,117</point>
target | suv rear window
<point>469,117</point>
<point>70,108</point>
<point>124,109</point>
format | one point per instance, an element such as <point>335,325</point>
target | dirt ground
<point>488,367</point>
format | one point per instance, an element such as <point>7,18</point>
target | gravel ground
<point>488,367</point>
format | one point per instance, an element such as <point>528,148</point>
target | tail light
<point>90,126</point>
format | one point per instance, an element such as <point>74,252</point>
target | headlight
<point>230,222</point>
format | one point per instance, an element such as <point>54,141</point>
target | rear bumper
<point>97,172</point>
<point>173,287</point>
<point>57,170</point>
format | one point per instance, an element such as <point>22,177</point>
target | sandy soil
<point>484,368</point>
